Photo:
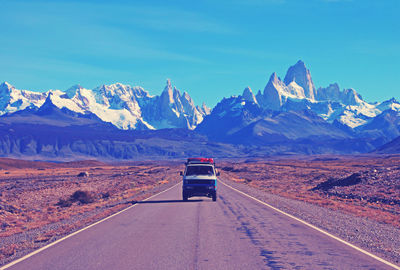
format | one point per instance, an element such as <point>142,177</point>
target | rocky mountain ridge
<point>290,116</point>
<point>124,106</point>
<point>129,107</point>
<point>285,108</point>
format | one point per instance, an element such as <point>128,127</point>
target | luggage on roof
<point>200,160</point>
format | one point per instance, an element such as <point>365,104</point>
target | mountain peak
<point>169,83</point>
<point>247,90</point>
<point>48,104</point>
<point>118,84</point>
<point>72,90</point>
<point>351,97</point>
<point>186,95</point>
<point>274,78</point>
<point>302,76</point>
<point>168,87</point>
<point>6,84</point>
<point>176,90</point>
<point>300,63</point>
<point>75,87</point>
<point>248,95</point>
<point>204,109</point>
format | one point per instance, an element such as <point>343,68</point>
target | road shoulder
<point>380,239</point>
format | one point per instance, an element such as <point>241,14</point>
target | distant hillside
<point>50,133</point>
<point>10,163</point>
<point>392,147</point>
<point>35,135</point>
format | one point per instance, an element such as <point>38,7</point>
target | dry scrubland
<point>41,202</point>
<point>364,186</point>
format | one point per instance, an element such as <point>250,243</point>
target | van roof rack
<point>200,160</point>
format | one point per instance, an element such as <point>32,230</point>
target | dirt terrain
<point>41,201</point>
<point>364,186</point>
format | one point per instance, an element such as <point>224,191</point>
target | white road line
<point>81,230</point>
<point>316,228</point>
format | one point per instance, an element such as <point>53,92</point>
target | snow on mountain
<point>274,91</point>
<point>60,100</point>
<point>124,106</point>
<point>134,108</point>
<point>297,92</point>
<point>228,116</point>
<point>277,93</point>
<point>333,93</point>
<point>204,110</point>
<point>242,122</point>
<point>391,104</point>
<point>301,75</point>
<point>173,109</point>
<point>12,99</point>
<point>253,118</point>
<point>386,125</point>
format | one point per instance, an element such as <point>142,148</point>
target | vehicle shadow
<point>168,201</point>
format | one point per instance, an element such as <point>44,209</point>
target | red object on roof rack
<point>200,160</point>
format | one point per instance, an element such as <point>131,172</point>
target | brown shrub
<point>105,195</point>
<point>82,196</point>
<point>64,203</point>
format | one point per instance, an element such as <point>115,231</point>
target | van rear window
<point>199,170</point>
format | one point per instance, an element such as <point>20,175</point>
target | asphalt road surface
<point>236,232</point>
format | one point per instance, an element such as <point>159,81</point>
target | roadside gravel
<point>380,239</point>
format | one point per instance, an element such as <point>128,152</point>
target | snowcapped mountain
<point>124,106</point>
<point>289,116</point>
<point>301,76</point>
<point>12,100</point>
<point>293,110</point>
<point>175,110</point>
<point>239,121</point>
<point>298,92</point>
<point>287,113</point>
<point>51,115</point>
<point>129,107</point>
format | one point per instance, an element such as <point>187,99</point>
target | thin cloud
<point>173,19</point>
<point>248,53</point>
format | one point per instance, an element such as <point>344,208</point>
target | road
<point>236,232</point>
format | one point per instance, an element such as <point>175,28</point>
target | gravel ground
<point>380,239</point>
<point>30,235</point>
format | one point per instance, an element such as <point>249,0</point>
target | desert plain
<point>41,202</point>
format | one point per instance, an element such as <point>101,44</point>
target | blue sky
<point>212,49</point>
